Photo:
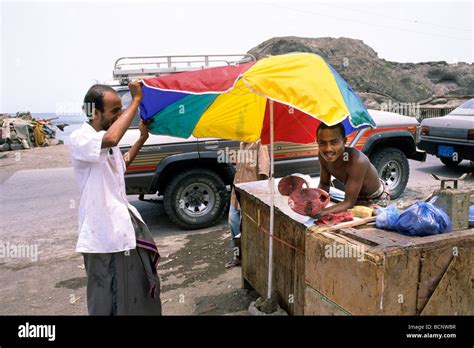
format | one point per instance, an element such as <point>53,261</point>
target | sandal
<point>233,263</point>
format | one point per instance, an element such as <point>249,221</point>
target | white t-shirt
<point>104,219</point>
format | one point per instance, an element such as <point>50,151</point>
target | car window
<point>126,100</point>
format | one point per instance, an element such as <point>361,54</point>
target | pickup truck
<point>193,183</point>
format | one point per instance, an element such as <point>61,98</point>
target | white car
<point>451,137</point>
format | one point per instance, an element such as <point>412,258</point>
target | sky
<point>53,51</point>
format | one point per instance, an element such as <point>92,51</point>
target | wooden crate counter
<point>365,271</point>
<point>352,270</point>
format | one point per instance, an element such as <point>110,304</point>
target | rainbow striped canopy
<point>231,102</point>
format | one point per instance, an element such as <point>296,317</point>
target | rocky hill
<point>379,81</point>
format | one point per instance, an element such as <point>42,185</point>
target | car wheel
<point>449,162</point>
<point>392,167</point>
<point>195,199</point>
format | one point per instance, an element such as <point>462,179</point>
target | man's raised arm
<point>130,155</point>
<point>116,131</point>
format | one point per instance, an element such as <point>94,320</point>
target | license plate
<point>445,151</point>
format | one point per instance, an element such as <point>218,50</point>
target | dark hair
<point>95,99</point>
<point>336,126</point>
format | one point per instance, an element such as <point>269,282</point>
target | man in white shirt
<point>120,256</point>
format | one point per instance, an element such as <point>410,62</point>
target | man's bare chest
<point>339,173</point>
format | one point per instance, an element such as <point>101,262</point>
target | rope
<point>321,296</point>
<point>331,303</point>
<point>264,230</point>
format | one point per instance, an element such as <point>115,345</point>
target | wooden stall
<point>355,270</point>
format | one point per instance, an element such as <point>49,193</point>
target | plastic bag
<point>471,216</point>
<point>423,219</point>
<point>387,217</point>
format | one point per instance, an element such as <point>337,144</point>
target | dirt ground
<point>34,158</point>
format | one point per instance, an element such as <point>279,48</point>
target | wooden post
<point>272,207</point>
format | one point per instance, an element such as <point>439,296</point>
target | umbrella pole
<point>272,208</point>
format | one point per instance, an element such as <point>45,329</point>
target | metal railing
<point>128,67</point>
<point>421,113</point>
<point>433,112</point>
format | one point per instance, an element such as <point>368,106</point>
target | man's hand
<point>136,90</point>
<point>143,126</point>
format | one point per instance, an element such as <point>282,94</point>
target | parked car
<point>193,183</point>
<point>451,137</point>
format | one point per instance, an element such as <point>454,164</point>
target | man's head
<point>102,106</point>
<point>331,141</point>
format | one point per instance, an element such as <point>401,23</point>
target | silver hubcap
<point>197,200</point>
<point>391,174</point>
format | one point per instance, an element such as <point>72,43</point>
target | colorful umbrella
<point>232,102</point>
<point>280,98</point>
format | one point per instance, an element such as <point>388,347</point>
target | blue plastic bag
<point>423,219</point>
<point>387,217</point>
<point>471,216</point>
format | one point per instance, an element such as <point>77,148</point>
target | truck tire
<point>392,167</point>
<point>449,162</point>
<point>195,199</point>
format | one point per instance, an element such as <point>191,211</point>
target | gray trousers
<point>124,283</point>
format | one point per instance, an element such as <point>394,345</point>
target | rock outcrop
<point>378,81</point>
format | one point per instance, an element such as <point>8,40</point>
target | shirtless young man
<point>350,166</point>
